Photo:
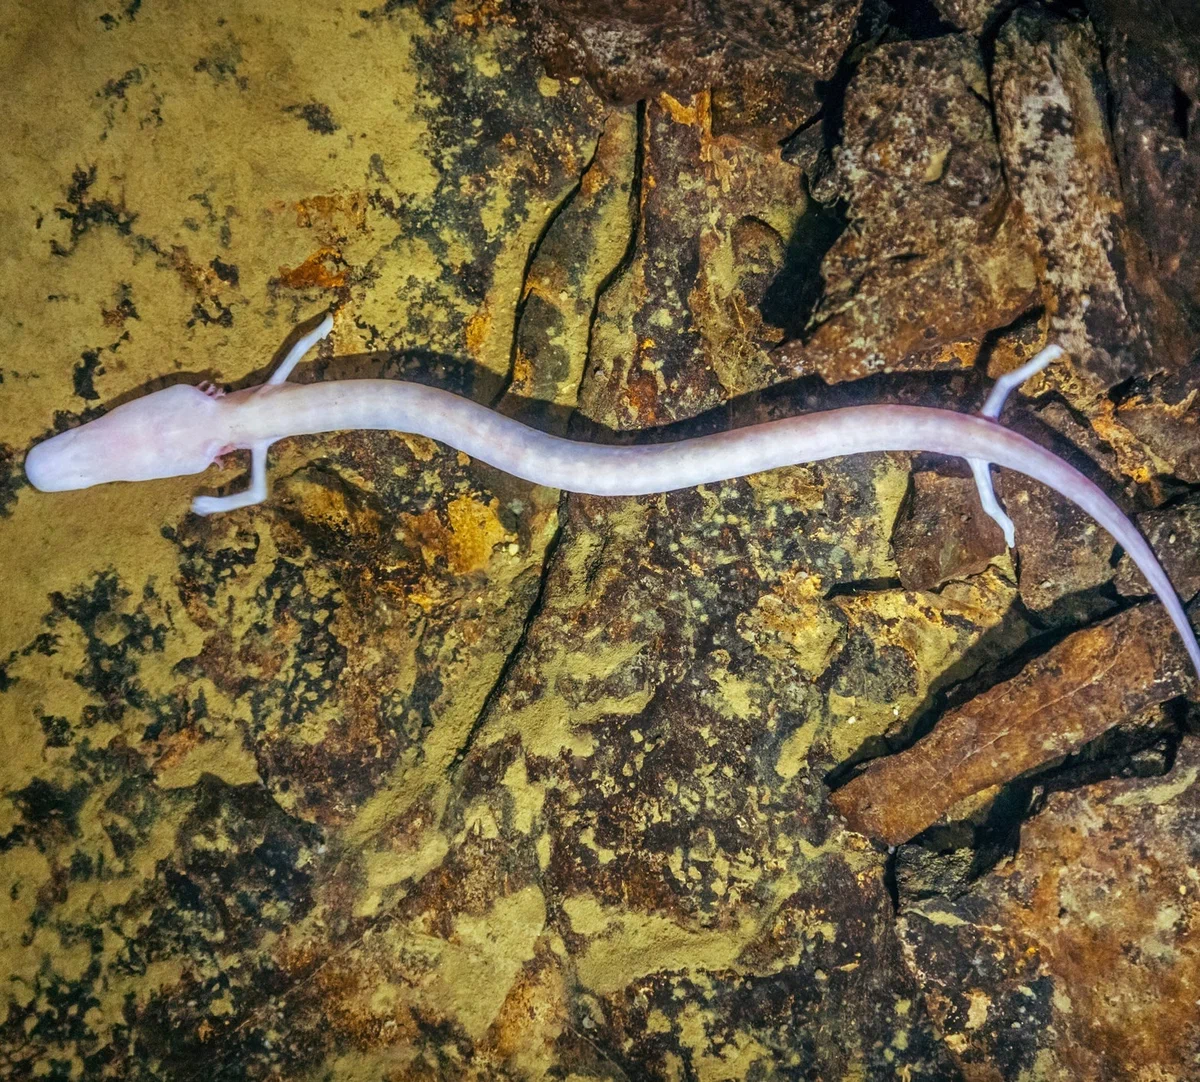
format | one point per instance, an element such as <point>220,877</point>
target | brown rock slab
<point>1174,534</point>
<point>583,246</point>
<point>1060,169</point>
<point>1078,957</point>
<point>1168,429</point>
<point>1158,151</point>
<point>634,49</point>
<point>942,533</point>
<point>677,329</point>
<point>1152,57</point>
<point>973,15</point>
<point>1063,553</point>
<point>1092,680</point>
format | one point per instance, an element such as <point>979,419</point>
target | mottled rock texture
<point>761,59</point>
<point>937,254</point>
<point>416,771</point>
<point>1077,958</point>
<point>1090,682</point>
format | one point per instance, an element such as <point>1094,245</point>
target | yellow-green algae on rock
<point>279,796</point>
<point>211,731</point>
<point>415,771</point>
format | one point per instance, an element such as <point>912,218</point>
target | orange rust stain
<point>465,544</point>
<point>478,327</point>
<point>680,113</point>
<point>1131,455</point>
<point>314,272</point>
<point>340,212</point>
<point>534,1013</point>
<point>484,15</point>
<point>523,369</point>
<point>177,748</point>
<point>641,395</point>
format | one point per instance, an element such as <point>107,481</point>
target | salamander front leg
<point>981,470</point>
<point>254,493</point>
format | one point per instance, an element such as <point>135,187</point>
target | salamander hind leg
<point>296,354</point>
<point>982,473</point>
<point>980,469</point>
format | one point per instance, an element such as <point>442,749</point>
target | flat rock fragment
<point>761,59</point>
<point>1078,957</point>
<point>1168,431</point>
<point>973,15</point>
<point>1092,680</point>
<point>1155,84</point>
<point>1064,555</point>
<point>942,533</point>
<point>1174,534</point>
<point>678,329</point>
<point>584,244</point>
<point>1063,552</point>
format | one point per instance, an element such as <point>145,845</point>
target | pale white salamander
<point>182,430</point>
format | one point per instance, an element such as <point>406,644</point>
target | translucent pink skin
<point>181,430</point>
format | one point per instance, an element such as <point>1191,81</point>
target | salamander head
<point>169,433</point>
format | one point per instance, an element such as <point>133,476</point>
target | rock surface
<point>1078,957</point>
<point>415,771</point>
<point>1067,697</point>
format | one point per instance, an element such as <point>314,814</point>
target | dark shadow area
<point>792,296</point>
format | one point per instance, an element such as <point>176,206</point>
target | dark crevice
<point>551,220</point>
<point>917,20</point>
<point>964,681</point>
<point>856,587</point>
<point>890,882</point>
<point>635,225</point>
<point>1181,114</point>
<point>518,648</point>
<point>793,295</point>
<point>1125,751</point>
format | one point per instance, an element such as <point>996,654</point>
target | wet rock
<point>585,244</point>
<point>418,770</point>
<point>1168,429</point>
<point>973,15</point>
<point>1059,164</point>
<point>1174,534</point>
<point>1157,134</point>
<point>942,532</point>
<point>936,255</point>
<point>1152,57</point>
<point>677,330</point>
<point>1091,681</point>
<point>1064,555</point>
<point>763,103</point>
<point>1077,954</point>
<point>761,60</point>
